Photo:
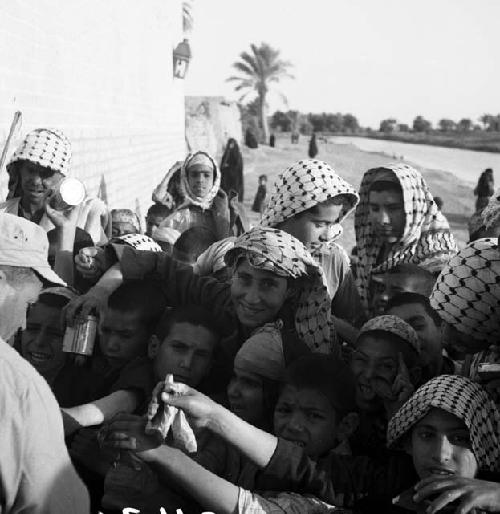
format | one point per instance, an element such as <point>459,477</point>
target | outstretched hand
<point>200,409</point>
<point>466,493</point>
<point>127,432</point>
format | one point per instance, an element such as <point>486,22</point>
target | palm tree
<point>259,69</point>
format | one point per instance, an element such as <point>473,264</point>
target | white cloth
<point>36,474</point>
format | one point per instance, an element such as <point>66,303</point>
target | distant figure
<point>260,196</point>
<point>295,138</point>
<point>313,147</point>
<point>250,139</point>
<point>484,189</point>
<point>231,167</point>
<point>272,140</point>
<point>439,202</point>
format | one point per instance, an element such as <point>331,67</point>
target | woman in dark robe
<point>231,168</point>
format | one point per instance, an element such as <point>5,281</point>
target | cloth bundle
<point>162,417</point>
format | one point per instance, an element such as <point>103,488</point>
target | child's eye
<point>268,284</point>
<point>425,434</point>
<point>460,440</point>
<point>374,208</point>
<point>315,416</point>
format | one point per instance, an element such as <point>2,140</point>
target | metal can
<point>80,338</point>
<point>69,193</point>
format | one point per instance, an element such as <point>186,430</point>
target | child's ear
<point>153,346</point>
<point>347,426</point>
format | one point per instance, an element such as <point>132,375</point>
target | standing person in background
<point>484,189</point>
<point>35,170</point>
<point>203,202</point>
<point>231,168</point>
<point>259,201</point>
<point>313,147</point>
<point>272,140</point>
<point>397,221</point>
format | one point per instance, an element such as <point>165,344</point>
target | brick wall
<point>102,72</point>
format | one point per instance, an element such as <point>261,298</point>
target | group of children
<point>311,385</point>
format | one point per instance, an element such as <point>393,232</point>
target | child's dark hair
<point>142,296</point>
<point>192,243</point>
<point>262,177</point>
<point>407,298</point>
<point>158,209</point>
<point>193,314</point>
<point>327,375</point>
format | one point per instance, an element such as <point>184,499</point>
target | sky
<point>373,58</point>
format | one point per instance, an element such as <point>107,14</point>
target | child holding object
<point>314,411</point>
<point>273,277</point>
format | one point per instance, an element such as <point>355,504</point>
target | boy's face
<point>314,226</point>
<point>441,446</point>
<point>428,332</point>
<point>200,180</point>
<point>153,221</point>
<point>374,361</point>
<point>37,182</point>
<point>388,285</point>
<point>122,336</point>
<point>42,341</point>
<point>245,393</point>
<point>186,352</point>
<point>387,214</point>
<point>257,295</point>
<point>306,417</point>
<point>122,228</point>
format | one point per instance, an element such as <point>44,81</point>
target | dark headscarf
<point>231,167</point>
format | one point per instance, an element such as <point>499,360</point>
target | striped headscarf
<point>394,325</point>
<point>304,185</point>
<point>426,241</point>
<point>200,158</point>
<point>464,399</point>
<point>276,251</point>
<point>467,292</point>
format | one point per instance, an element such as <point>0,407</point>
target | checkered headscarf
<point>427,240</point>
<point>280,253</point>
<point>464,399</point>
<point>467,292</point>
<point>394,325</point>
<point>49,148</point>
<point>304,185</point>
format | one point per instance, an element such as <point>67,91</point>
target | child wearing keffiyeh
<point>198,199</point>
<point>398,221</point>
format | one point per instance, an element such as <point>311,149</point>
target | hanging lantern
<point>182,56</point>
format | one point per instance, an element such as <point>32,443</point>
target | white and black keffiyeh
<point>277,251</point>
<point>467,292</point>
<point>46,147</point>
<point>426,241</point>
<point>304,185</point>
<point>464,399</point>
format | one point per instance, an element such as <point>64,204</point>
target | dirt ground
<point>351,163</point>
